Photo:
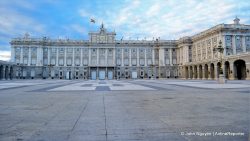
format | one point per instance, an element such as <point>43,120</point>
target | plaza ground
<point>124,110</point>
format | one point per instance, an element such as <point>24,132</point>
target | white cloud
<point>5,55</point>
<point>169,19</point>
<point>154,10</point>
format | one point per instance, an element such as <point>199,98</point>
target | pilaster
<point>233,44</point>
<point>137,57</point>
<point>29,56</point>
<point>13,55</point>
<point>80,56</point>
<point>122,57</point>
<point>73,57</point>
<point>65,57</point>
<point>57,52</point>
<point>170,57</point>
<point>244,43</point>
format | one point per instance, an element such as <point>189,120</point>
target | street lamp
<point>220,49</point>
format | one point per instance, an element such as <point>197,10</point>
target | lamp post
<point>220,50</point>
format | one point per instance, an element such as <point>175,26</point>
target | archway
<point>200,72</point>
<point>206,71</point>
<point>240,69</point>
<point>227,70</point>
<point>11,72</point>
<point>186,72</point>
<point>195,72</point>
<point>212,71</point>
<point>218,69</point>
<point>1,72</point>
<point>6,72</point>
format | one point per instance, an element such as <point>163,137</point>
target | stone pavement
<point>151,110</point>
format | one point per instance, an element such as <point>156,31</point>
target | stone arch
<point>200,72</point>
<point>1,72</point>
<point>6,72</point>
<point>195,72</point>
<point>186,72</point>
<point>11,72</point>
<point>206,71</point>
<point>212,70</point>
<point>227,69</point>
<point>240,69</point>
<point>218,69</point>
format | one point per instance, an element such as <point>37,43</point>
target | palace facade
<point>104,57</point>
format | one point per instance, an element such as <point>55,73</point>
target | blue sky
<point>130,19</point>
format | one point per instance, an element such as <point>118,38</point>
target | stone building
<point>7,70</point>
<point>198,59</point>
<point>100,57</point>
<point>104,57</point>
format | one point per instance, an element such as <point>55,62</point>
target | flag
<point>92,20</point>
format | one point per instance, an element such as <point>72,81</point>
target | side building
<point>198,58</point>
<point>100,57</point>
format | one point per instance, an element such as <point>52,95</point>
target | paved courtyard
<point>124,110</point>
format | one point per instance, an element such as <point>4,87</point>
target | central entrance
<point>102,74</point>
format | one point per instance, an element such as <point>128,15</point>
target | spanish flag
<point>92,20</point>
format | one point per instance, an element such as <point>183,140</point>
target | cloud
<point>172,19</point>
<point>5,55</point>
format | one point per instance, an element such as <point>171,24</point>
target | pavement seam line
<point>105,117</point>
<point>85,106</point>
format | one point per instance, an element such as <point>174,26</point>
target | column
<point>170,57</point>
<point>234,45</point>
<point>122,57</point>
<point>215,72</point>
<point>97,57</point>
<point>21,55</point>
<point>223,40</point>
<point>137,57</point>
<point>193,71</point>
<point>203,72</point>
<point>73,57</point>
<point>244,43</point>
<point>209,72</point>
<point>106,57</point>
<point>114,51</point>
<point>153,56</point>
<point>49,50</point>
<point>57,51</point>
<point>13,55</point>
<point>38,56</point>
<point>65,56</point>
<point>80,56</point>
<point>89,57</point>
<point>29,56</point>
<point>231,75</point>
<point>212,49</point>
<point>130,57</point>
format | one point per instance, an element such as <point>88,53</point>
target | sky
<point>130,19</point>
